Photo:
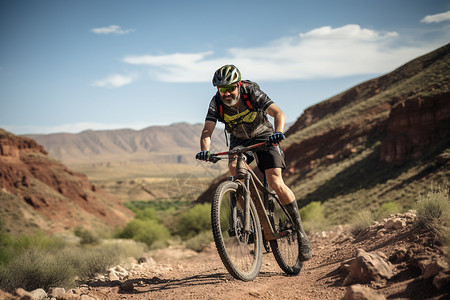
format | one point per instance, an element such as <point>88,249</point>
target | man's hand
<point>203,155</point>
<point>276,138</point>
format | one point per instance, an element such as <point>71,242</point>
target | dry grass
<point>433,211</point>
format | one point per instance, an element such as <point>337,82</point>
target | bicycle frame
<point>250,184</point>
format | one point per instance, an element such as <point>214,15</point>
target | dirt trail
<point>182,274</point>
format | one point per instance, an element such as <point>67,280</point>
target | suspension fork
<point>243,174</point>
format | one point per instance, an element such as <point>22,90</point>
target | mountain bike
<point>246,215</point>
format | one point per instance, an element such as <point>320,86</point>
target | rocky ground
<point>389,260</point>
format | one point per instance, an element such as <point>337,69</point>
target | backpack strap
<point>219,105</point>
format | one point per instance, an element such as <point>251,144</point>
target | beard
<point>230,100</point>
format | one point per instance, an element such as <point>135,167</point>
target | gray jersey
<point>241,121</point>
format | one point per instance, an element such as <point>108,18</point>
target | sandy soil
<point>184,274</point>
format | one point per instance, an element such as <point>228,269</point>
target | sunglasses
<point>228,88</point>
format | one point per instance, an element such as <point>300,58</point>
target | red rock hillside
<point>380,141</point>
<point>39,192</point>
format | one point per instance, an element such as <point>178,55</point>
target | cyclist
<point>242,106</point>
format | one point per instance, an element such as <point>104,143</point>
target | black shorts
<point>272,158</point>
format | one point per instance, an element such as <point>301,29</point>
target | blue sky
<point>68,66</point>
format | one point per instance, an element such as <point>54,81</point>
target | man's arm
<point>279,119</point>
<point>205,139</point>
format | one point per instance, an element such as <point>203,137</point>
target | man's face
<point>230,94</point>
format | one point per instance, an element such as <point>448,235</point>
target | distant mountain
<point>176,143</point>
<point>38,192</point>
<point>381,141</point>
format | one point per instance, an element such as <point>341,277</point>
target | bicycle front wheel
<point>240,251</point>
<point>287,248</point>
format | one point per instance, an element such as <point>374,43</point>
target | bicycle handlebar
<point>214,157</point>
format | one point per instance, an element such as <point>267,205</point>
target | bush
<point>86,236</point>
<point>6,249</point>
<point>11,247</point>
<point>198,242</point>
<point>194,221</point>
<point>361,221</point>
<point>433,211</point>
<point>36,269</point>
<point>312,212</point>
<point>386,209</point>
<point>146,214</point>
<point>145,231</point>
<point>313,217</point>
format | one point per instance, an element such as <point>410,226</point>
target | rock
<point>6,296</point>
<point>442,281</point>
<point>120,269</point>
<point>67,296</point>
<point>399,255</point>
<point>367,267</point>
<point>395,224</point>
<point>24,295</point>
<point>39,294</point>
<point>127,286</point>
<point>433,268</point>
<point>112,276</point>
<point>142,260</point>
<point>56,292</point>
<point>344,268</point>
<point>87,297</point>
<point>359,292</point>
<point>420,261</point>
<point>381,232</point>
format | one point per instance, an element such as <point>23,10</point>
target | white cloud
<point>347,32</point>
<point>114,81</point>
<point>113,29</point>
<point>324,52</point>
<point>437,18</point>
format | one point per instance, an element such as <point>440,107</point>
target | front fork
<point>244,223</point>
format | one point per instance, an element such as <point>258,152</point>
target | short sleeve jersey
<point>240,121</point>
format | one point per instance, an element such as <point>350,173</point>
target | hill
<point>174,144</point>
<point>38,192</point>
<point>381,141</point>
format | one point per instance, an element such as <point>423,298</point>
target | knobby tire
<point>286,249</point>
<point>240,252</point>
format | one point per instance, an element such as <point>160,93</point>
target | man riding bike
<point>243,107</point>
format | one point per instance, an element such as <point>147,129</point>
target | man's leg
<point>287,198</point>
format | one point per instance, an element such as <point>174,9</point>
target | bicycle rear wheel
<point>240,251</point>
<point>287,248</point>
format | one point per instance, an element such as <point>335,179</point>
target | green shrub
<point>361,221</point>
<point>43,268</point>
<point>313,217</point>
<point>198,242</point>
<point>312,212</point>
<point>145,231</point>
<point>386,209</point>
<point>6,248</point>
<point>195,220</point>
<point>86,236</point>
<point>34,269</point>
<point>433,211</point>
<point>39,240</point>
<point>146,214</point>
